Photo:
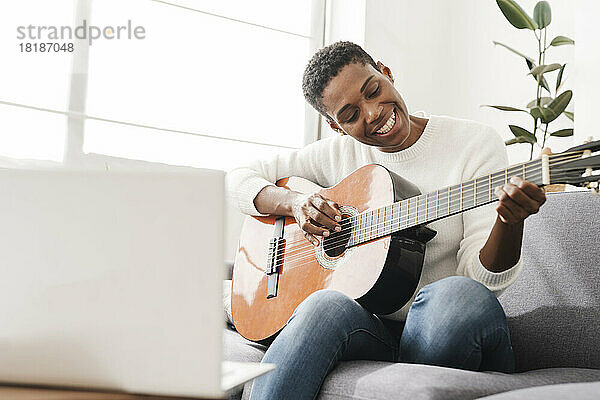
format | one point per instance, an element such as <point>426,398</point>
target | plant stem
<point>544,52</point>
<point>534,129</point>
<point>531,153</point>
<point>538,91</point>
<point>545,132</point>
<point>543,57</point>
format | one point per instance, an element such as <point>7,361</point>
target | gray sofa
<point>553,311</point>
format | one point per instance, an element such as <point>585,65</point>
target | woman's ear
<point>333,125</point>
<point>385,70</point>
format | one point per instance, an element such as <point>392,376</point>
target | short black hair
<point>325,65</point>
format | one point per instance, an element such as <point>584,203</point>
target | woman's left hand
<point>518,200</point>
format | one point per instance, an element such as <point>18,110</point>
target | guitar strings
<point>307,251</point>
<point>293,251</point>
<point>296,253</point>
<point>395,224</point>
<point>533,174</point>
<point>309,255</point>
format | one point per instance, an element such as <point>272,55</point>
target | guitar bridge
<point>274,258</point>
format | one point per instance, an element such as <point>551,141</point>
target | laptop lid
<point>112,280</point>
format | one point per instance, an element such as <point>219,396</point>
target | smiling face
<point>364,104</point>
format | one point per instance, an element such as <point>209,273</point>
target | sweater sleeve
<point>314,162</point>
<point>490,156</point>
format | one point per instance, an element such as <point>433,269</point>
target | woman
<point>455,319</point>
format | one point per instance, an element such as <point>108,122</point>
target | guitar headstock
<point>577,166</point>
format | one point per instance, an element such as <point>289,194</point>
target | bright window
<point>32,78</point>
<point>225,73</point>
<point>30,134</point>
<point>170,148</point>
<point>201,74</point>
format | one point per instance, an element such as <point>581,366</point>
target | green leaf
<point>522,133</point>
<point>543,113</point>
<point>504,108</point>
<point>569,115</point>
<point>554,109</point>
<point>516,140</point>
<point>544,83</point>
<point>563,133</point>
<point>560,75</point>
<point>536,113</point>
<point>515,15</point>
<point>542,69</point>
<point>542,14</point>
<point>561,102</point>
<point>561,40</point>
<point>514,51</point>
<point>543,102</point>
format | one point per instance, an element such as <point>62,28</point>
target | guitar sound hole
<point>336,243</point>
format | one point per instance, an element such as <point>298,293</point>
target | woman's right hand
<point>316,215</point>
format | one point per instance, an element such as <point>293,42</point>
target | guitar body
<point>381,274</point>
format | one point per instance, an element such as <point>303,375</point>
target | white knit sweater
<point>449,151</point>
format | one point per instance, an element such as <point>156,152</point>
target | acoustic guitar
<point>378,255</point>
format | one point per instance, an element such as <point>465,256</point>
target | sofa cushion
<point>569,391</point>
<point>553,308</point>
<point>236,348</point>
<point>380,380</point>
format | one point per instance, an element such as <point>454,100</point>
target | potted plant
<point>550,102</point>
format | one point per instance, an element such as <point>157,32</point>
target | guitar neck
<point>438,204</point>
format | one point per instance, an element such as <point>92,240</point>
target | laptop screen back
<point>112,280</point>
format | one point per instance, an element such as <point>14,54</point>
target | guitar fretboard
<point>439,204</point>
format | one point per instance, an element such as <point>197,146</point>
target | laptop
<point>112,281</point>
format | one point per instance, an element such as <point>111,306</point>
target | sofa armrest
<point>553,307</point>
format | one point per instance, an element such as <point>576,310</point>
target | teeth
<point>388,125</point>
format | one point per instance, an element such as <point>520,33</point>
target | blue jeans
<point>454,322</point>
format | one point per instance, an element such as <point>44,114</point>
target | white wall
<point>345,20</point>
<point>444,62</point>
